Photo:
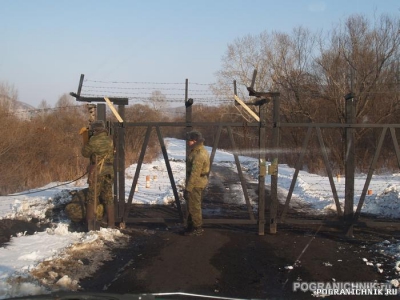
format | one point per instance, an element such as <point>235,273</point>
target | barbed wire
<point>146,82</point>
<point>146,98</point>
<point>141,88</point>
<point>16,112</point>
<point>150,95</point>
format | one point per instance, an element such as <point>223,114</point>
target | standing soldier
<point>100,150</point>
<point>198,167</point>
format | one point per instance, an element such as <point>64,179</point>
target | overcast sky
<point>47,44</point>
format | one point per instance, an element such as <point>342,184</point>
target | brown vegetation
<point>45,146</point>
<point>312,73</point>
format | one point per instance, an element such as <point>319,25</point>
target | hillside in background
<point>20,109</point>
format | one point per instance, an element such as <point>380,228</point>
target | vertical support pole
<point>120,205</point>
<point>253,80</point>
<point>101,112</point>
<point>188,105</point>
<point>235,92</point>
<point>115,135</point>
<point>262,170</point>
<point>189,127</point>
<point>80,84</point>
<point>273,211</point>
<point>349,164</point>
<point>94,224</point>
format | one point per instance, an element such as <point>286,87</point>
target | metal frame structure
<point>349,218</point>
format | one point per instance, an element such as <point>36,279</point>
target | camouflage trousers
<point>193,204</point>
<point>104,190</point>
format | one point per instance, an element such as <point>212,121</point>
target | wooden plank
<point>115,112</point>
<point>252,113</point>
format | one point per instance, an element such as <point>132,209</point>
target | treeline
<point>44,145</point>
<point>39,147</point>
<point>313,72</point>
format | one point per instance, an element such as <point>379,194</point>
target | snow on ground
<point>30,256</point>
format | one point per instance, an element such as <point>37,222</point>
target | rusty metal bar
<point>338,125</point>
<point>80,85</point>
<point>205,221</point>
<point>395,144</point>
<point>136,177</point>
<point>256,124</point>
<point>370,173</point>
<point>241,177</point>
<point>296,173</point>
<point>115,100</point>
<point>329,171</point>
<point>191,124</point>
<point>170,174</point>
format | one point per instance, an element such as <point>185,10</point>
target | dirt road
<point>236,262</point>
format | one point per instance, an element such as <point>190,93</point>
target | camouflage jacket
<point>198,168</point>
<point>100,145</point>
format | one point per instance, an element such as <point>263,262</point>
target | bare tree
<point>313,73</point>
<point>44,105</point>
<point>238,63</point>
<point>158,101</point>
<point>65,101</point>
<point>8,96</point>
<point>362,58</point>
<point>135,135</point>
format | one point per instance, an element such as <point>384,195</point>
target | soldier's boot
<point>104,220</point>
<point>197,231</point>
<point>91,222</point>
<point>110,216</point>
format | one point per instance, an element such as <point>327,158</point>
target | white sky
<point>24,253</point>
<point>47,45</point>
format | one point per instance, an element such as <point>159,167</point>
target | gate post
<point>262,170</point>
<point>120,180</point>
<point>101,112</point>
<point>273,211</point>
<point>188,116</point>
<point>349,163</point>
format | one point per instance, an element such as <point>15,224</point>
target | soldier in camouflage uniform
<point>76,208</point>
<point>198,168</point>
<point>100,150</point>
